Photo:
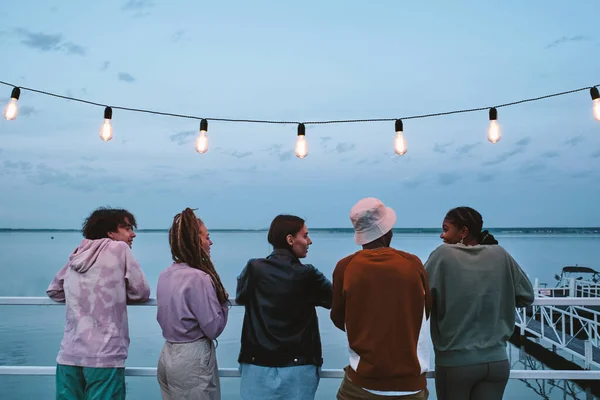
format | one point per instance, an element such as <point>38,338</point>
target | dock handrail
<point>539,301</point>
<point>325,373</point>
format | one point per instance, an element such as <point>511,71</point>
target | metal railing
<point>576,288</point>
<point>325,373</point>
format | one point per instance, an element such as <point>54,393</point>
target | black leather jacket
<point>280,324</point>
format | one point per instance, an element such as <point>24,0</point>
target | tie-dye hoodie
<point>96,283</point>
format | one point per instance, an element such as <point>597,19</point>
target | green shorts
<point>79,383</point>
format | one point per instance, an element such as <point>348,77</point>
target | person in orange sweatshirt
<point>381,299</point>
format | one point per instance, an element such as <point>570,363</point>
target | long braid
<point>186,247</point>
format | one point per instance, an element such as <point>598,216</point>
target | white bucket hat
<point>371,220</point>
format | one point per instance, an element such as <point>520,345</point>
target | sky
<point>303,61</point>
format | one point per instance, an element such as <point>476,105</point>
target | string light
<point>301,147</point>
<point>12,108</point>
<point>494,134</point>
<point>202,139</point>
<point>596,102</point>
<point>399,141</point>
<point>106,130</point>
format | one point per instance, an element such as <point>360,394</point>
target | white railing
<point>540,303</point>
<point>576,288</point>
<point>562,319</point>
<point>325,373</point>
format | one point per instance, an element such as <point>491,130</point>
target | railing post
<point>571,287</point>
<point>536,284</point>
<point>564,338</point>
<point>588,354</point>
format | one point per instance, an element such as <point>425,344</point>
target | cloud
<point>325,139</point>
<point>524,142</point>
<point>238,154</point>
<point>49,42</point>
<point>369,161</point>
<point>177,36</point>
<point>467,148</point>
<point>285,156</point>
<point>15,167</point>
<point>441,147</point>
<point>105,66</point>
<point>75,179</point>
<point>505,156</point>
<point>276,150</point>
<point>72,48</point>
<point>574,141</point>
<point>26,111</point>
<point>125,77</point>
<point>181,138</point>
<point>582,174</point>
<point>344,147</point>
<point>595,154</point>
<point>549,154</point>
<point>531,167</point>
<point>139,8</point>
<point>447,178</point>
<point>566,39</point>
<point>485,177</point>
<point>412,184</point>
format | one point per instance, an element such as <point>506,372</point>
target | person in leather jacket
<point>280,354</point>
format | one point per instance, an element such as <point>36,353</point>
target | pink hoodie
<point>99,278</point>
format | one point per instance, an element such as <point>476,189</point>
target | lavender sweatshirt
<point>188,307</point>
<point>99,278</point>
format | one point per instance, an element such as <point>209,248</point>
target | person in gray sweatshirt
<point>475,286</point>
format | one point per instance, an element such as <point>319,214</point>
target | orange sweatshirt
<point>381,299</point>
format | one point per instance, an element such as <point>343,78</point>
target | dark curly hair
<point>104,220</point>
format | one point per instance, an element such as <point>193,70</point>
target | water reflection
<point>547,389</point>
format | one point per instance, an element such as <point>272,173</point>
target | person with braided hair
<point>475,286</point>
<point>281,355</point>
<point>193,307</point>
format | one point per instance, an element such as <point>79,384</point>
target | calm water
<point>30,335</point>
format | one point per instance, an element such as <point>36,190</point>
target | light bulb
<point>494,134</point>
<point>399,141</point>
<point>595,102</point>
<point>12,108</point>
<point>301,146</point>
<point>400,144</point>
<point>202,139</point>
<point>106,132</point>
<point>202,143</point>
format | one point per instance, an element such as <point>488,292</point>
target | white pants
<point>189,371</point>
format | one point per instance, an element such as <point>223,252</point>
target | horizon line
<point>594,228</point>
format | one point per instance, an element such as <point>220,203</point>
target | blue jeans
<point>279,383</point>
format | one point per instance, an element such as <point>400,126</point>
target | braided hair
<point>470,218</point>
<point>186,247</point>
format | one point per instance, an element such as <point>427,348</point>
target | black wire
<point>340,121</point>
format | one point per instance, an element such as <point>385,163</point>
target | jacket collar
<point>286,253</point>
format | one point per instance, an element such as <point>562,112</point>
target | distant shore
<point>507,230</point>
